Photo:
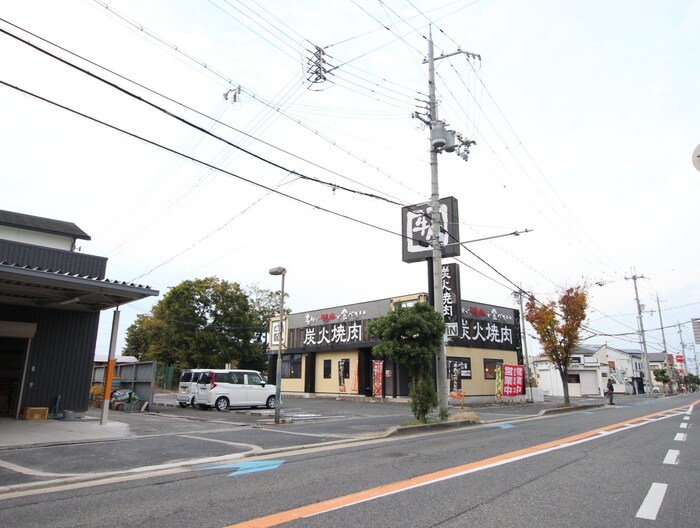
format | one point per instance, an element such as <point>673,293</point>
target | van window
<point>204,378</point>
<point>237,378</point>
<point>186,376</point>
<point>254,378</point>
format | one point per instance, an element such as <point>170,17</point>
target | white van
<point>187,389</point>
<point>234,388</point>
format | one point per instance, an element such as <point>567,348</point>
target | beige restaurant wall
<point>293,384</point>
<point>331,386</point>
<point>478,385</point>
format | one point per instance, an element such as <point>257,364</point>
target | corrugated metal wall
<point>53,259</point>
<point>61,356</point>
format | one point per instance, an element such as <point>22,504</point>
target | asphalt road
<point>559,470</point>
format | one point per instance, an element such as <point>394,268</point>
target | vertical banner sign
<point>377,377</point>
<point>341,375</point>
<point>457,370</point>
<point>499,383</point>
<point>513,380</point>
<point>696,330</point>
<point>451,306</point>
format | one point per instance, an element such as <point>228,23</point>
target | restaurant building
<point>329,351</point>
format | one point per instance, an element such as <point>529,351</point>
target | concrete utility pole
<point>685,361</point>
<point>441,372</point>
<point>440,139</point>
<point>524,334</point>
<point>645,356</point>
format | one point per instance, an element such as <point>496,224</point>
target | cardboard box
<point>36,413</point>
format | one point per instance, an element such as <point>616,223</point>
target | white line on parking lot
<point>652,502</point>
<point>672,456</point>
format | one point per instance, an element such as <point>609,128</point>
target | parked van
<point>234,388</point>
<point>188,386</point>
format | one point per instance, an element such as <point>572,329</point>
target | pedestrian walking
<point>610,390</point>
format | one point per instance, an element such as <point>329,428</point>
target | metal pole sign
<point>416,229</point>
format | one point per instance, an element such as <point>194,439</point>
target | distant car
<point>187,389</point>
<point>222,389</point>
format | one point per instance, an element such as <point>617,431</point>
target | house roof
<point>44,288</point>
<point>43,225</point>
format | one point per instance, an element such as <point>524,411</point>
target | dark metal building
<point>50,302</point>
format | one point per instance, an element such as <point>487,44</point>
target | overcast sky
<point>585,115</point>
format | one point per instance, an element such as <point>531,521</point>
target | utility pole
<point>524,335</point>
<point>685,362</point>
<point>440,140</point>
<point>645,356</point>
<point>661,323</point>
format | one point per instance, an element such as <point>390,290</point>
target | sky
<point>223,138</point>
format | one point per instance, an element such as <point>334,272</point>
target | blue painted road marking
<point>506,426</point>
<point>243,468</point>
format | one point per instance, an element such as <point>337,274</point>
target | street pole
<point>441,367</point>
<point>278,377</point>
<point>109,369</point>
<point>645,356</point>
<point>524,335</point>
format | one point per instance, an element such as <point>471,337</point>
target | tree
<point>662,376</point>
<point>198,323</point>
<point>411,336</point>
<point>692,382</point>
<point>265,305</point>
<point>558,325</point>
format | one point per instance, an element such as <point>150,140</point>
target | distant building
<point>51,297</point>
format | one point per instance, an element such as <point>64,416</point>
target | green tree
<point>692,382</point>
<point>265,305</point>
<point>558,324</point>
<point>411,336</point>
<point>198,323</point>
<point>662,376</point>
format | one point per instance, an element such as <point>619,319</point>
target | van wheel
<point>182,404</point>
<point>271,402</point>
<point>221,404</point>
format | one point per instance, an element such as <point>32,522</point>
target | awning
<point>42,288</point>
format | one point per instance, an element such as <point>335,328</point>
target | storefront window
<point>327,369</point>
<point>490,367</point>
<point>291,366</point>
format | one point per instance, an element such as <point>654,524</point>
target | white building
<point>589,370</point>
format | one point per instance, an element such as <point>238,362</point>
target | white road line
<point>672,456</point>
<point>684,425</point>
<point>652,502</point>
<point>686,417</point>
<point>680,437</point>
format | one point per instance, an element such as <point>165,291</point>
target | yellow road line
<point>422,480</point>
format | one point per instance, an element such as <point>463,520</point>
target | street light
<point>278,378</point>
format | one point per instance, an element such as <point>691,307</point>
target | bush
<point>423,399</point>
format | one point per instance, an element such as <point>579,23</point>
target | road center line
<point>672,456</point>
<point>680,437</point>
<point>392,488</point>
<point>652,502</point>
